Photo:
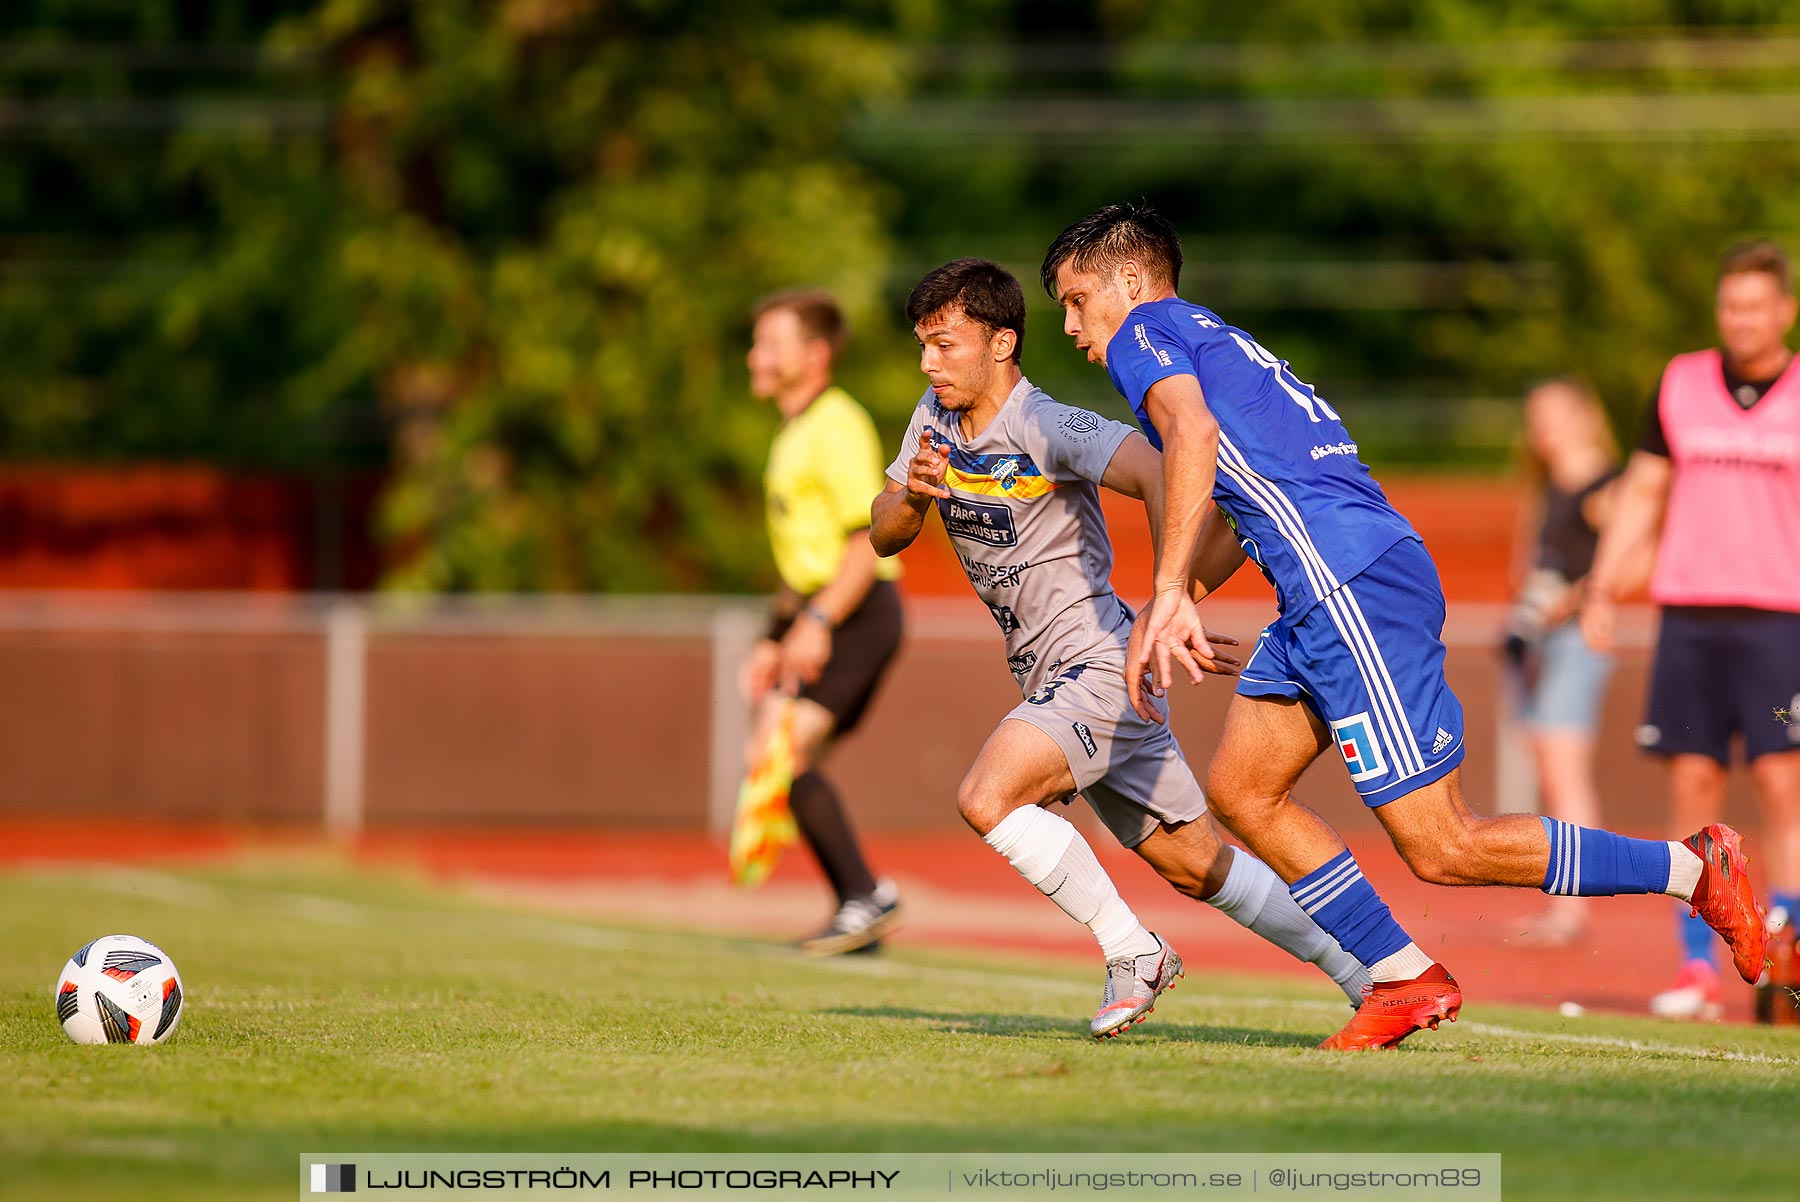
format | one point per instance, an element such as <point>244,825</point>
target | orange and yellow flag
<point>764,826</point>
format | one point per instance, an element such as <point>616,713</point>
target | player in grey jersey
<point>1014,476</point>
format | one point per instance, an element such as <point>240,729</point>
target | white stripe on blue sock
<point>1308,893</point>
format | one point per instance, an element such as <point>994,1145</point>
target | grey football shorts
<point>1130,771</point>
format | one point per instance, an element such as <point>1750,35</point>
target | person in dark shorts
<point>836,623</point>
<point>1715,481</point>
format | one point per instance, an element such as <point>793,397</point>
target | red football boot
<point>1392,1010</point>
<point>1725,899</point>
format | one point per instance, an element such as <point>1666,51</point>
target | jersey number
<point>1045,693</point>
<point>1301,394</point>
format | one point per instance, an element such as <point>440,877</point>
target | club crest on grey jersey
<point>1024,517</point>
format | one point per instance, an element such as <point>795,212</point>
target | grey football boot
<point>1133,983</point>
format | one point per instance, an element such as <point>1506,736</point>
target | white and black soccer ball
<point>119,989</point>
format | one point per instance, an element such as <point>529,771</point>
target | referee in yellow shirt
<point>836,623</point>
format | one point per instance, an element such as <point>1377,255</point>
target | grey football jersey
<point>1024,517</point>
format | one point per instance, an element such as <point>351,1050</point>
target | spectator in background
<point>1560,682</point>
<point>835,624</point>
<point>1718,471</point>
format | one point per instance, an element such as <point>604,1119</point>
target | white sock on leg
<point>1403,965</point>
<point>1048,851</point>
<point>1684,871</point>
<point>1254,897</point>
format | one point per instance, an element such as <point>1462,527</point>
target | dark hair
<point>1759,254</point>
<point>817,310</point>
<point>983,290</point>
<point>1108,236</point>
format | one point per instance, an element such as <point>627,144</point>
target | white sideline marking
<point>161,886</point>
<point>125,1147</point>
<point>1633,1045</point>
<point>166,887</point>
<point>573,933</point>
<point>326,909</point>
<point>177,890</point>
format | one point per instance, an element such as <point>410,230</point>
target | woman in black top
<point>1572,459</point>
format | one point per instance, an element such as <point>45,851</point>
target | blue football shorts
<point>1369,661</point>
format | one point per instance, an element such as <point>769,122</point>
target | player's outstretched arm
<point>898,513</point>
<point>1641,495</point>
<point>1168,634</point>
<point>1190,437</point>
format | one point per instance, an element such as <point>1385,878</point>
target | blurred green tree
<point>505,249</point>
<point>525,236</point>
<point>165,202</point>
<point>563,210</point>
<point>1422,205</point>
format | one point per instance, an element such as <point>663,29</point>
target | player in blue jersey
<point>1016,480</point>
<point>1254,456</point>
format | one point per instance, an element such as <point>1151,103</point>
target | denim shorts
<point>1569,684</point>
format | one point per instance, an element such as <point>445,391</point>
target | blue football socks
<point>1587,862</point>
<point>1340,899</point>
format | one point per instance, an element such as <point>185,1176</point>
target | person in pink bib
<point>1718,467</point>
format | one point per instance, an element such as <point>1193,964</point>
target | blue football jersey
<point>1302,503</point>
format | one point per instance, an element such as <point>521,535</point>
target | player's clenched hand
<point>925,474</point>
<point>804,653</point>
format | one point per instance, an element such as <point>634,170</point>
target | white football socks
<point>1254,897</point>
<point>1403,965</point>
<point>1048,851</point>
<point>1684,871</point>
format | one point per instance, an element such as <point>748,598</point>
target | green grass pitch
<point>333,1011</point>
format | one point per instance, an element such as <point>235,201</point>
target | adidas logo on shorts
<point>1443,740</point>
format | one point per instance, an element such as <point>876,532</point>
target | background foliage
<point>506,249</point>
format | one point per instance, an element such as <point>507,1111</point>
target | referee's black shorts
<point>1724,670</point>
<point>862,646</point>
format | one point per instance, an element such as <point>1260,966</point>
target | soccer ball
<point>119,989</point>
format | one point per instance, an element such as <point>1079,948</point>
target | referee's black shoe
<point>859,923</point>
